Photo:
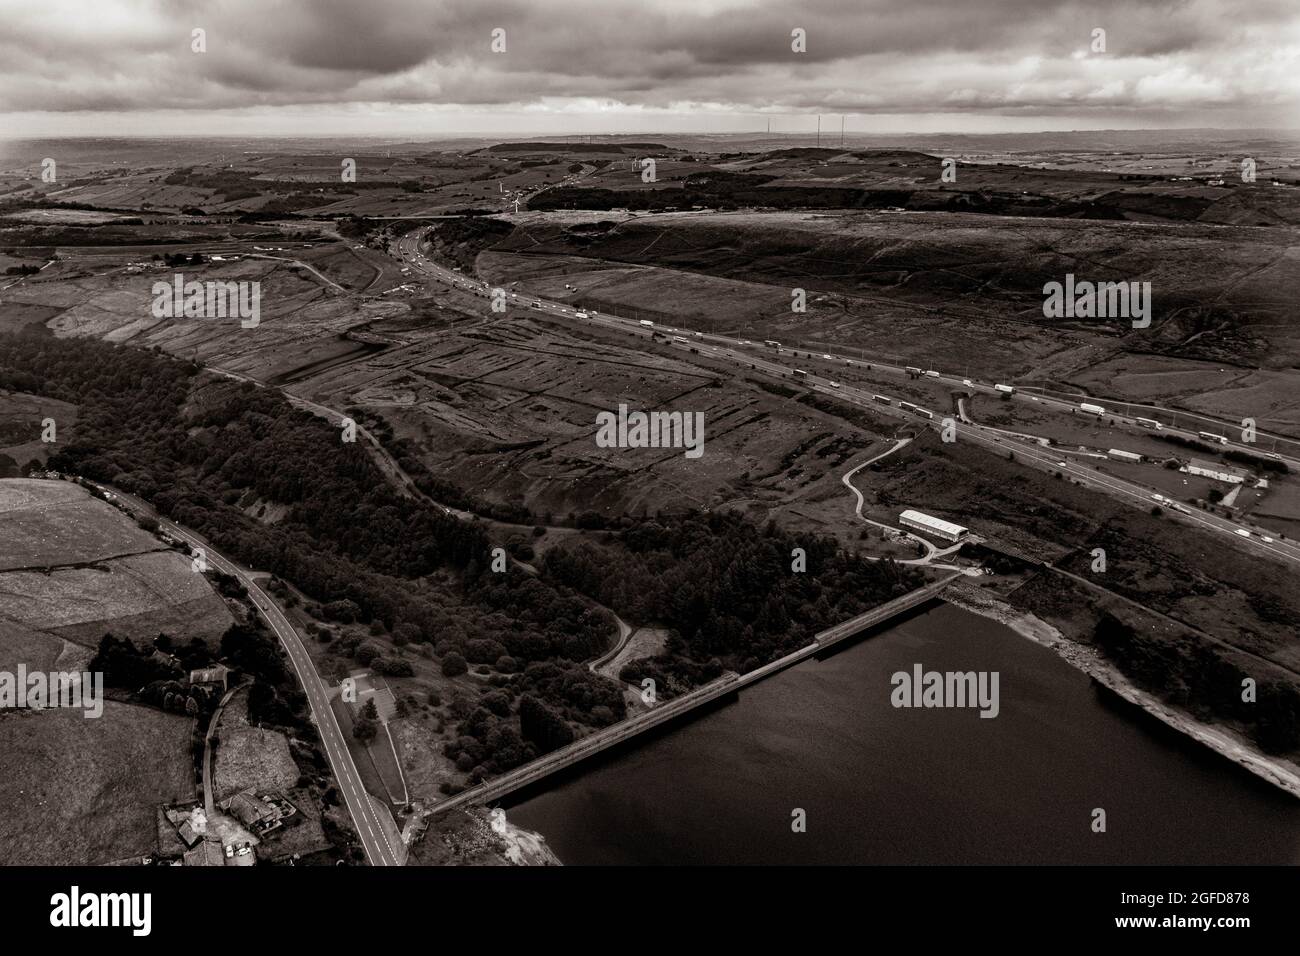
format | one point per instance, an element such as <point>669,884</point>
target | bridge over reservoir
<point>659,714</point>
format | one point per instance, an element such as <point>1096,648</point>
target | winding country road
<point>371,820</point>
<point>931,552</point>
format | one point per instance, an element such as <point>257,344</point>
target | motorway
<point>382,844</point>
<point>1027,449</point>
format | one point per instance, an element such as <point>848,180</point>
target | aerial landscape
<point>716,435</point>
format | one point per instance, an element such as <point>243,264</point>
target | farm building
<point>1211,469</point>
<point>205,854</point>
<point>1119,454</point>
<point>217,675</point>
<point>188,835</point>
<point>931,525</point>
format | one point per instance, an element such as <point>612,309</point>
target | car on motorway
<point>835,384</point>
<point>1266,539</point>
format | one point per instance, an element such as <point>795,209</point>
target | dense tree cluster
<point>127,666</point>
<point>156,675</point>
<point>541,726</point>
<point>1206,680</point>
<point>347,538</point>
<point>726,586</point>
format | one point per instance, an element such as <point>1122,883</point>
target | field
<point>21,418</point>
<point>78,790</point>
<point>498,405</point>
<point>75,567</point>
<point>48,524</point>
<point>925,284</point>
<point>249,756</point>
<point>84,792</point>
<point>136,597</point>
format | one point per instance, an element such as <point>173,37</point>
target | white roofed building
<point>931,525</point>
<point>1212,469</point>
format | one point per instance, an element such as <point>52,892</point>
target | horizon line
<point>5,135</point>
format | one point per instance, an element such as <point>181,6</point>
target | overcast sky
<point>409,67</point>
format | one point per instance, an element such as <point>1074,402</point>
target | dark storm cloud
<point>884,55</point>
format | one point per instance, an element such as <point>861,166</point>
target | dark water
<point>886,785</point>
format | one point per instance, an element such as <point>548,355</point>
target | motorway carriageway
<point>1030,453</point>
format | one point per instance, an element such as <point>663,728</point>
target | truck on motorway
<point>647,323</point>
<point>800,373</point>
<point>1241,531</point>
<point>881,399</point>
<point>772,344</point>
<point>1149,423</point>
<point>698,335</point>
<point>1008,389</point>
<point>912,371</point>
<point>680,338</point>
<point>1091,409</point>
<point>932,373</point>
<point>1210,436</point>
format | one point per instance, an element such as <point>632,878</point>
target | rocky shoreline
<point>1274,770</point>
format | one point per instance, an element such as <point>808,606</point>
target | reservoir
<point>886,785</point>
